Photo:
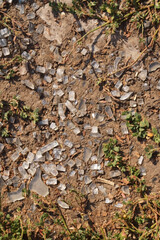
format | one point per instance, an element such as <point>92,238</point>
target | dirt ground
<point>102,49</point>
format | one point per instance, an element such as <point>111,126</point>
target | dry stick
<point>130,65</point>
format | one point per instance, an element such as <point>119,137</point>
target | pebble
<point>140,160</point>
<point>87,180</point>
<point>126,96</point>
<point>158,85</point>
<point>124,128</point>
<point>40,29</point>
<point>153,66</point>
<point>118,85</point>
<point>6,51</point>
<point>3,42</point>
<point>51,181</point>
<point>115,93</point>
<point>108,201</point>
<point>1,147</point>
<point>84,51</point>
<point>143,75</point>
<point>31,15</point>
<point>115,173</point>
<point>40,69</point>
<point>125,190</point>
<point>71,108</point>
<point>48,147</point>
<point>71,96</point>
<point>118,205</point>
<point>62,204</point>
<point>28,84</point>
<point>60,74</point>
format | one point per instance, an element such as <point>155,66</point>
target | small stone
<point>31,15</point>
<point>143,171</point>
<point>1,147</point>
<point>95,167</point>
<point>125,88</point>
<point>53,126</point>
<point>48,79</point>
<point>108,201</point>
<point>118,85</point>
<point>60,168</point>
<point>140,160</point>
<point>124,128</point>
<point>23,172</point>
<point>71,96</point>
<point>48,147</point>
<point>40,69</point>
<point>61,111</point>
<point>26,55</point>
<point>37,185</point>
<point>52,72</point>
<point>84,51</point>
<point>30,157</point>
<point>3,42</point>
<point>140,101</point>
<point>158,85</point>
<point>60,74</point>
<point>143,75</point>
<point>109,112</point>
<point>146,87</point>
<point>115,173</point>
<point>115,93</point>
<point>153,66</point>
<point>71,108</point>
<point>62,187</point>
<point>40,29</point>
<point>87,154</point>
<point>87,179</point>
<point>109,131</point>
<point>62,204</point>
<point>5,32</point>
<point>15,156</point>
<point>6,51</point>
<point>118,205</point>
<point>28,84</point>
<point>133,104</point>
<point>18,195</point>
<point>43,122</point>
<point>71,163</point>
<point>51,181</point>
<point>125,190</point>
<point>68,143</point>
<point>126,96</point>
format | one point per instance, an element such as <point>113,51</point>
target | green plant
<point>156,135</point>
<point>16,109</point>
<point>137,126</point>
<point>112,153</point>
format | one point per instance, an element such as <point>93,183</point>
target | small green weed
<point>137,126</point>
<point>17,110</point>
<point>115,157</point>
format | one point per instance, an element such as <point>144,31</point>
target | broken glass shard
<point>37,185</point>
<point>48,147</point>
<point>18,195</point>
<point>62,204</point>
<point>87,154</point>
